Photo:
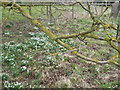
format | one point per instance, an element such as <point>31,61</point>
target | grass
<point>28,61</point>
<point>0,13</point>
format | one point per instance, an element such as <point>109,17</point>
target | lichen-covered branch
<point>114,46</point>
<point>97,20</point>
<point>54,37</point>
<point>93,28</point>
<point>87,36</point>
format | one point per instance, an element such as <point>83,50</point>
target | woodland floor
<point>28,61</point>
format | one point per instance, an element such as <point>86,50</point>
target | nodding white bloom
<point>13,85</point>
<point>7,33</point>
<point>24,68</point>
<point>35,38</point>
<point>36,28</point>
<point>24,61</point>
<point>31,33</point>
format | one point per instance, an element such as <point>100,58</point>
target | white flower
<point>31,33</point>
<point>35,38</point>
<point>7,33</point>
<point>36,28</point>
<point>24,68</point>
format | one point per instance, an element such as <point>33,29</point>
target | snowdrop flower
<point>24,68</point>
<point>36,28</point>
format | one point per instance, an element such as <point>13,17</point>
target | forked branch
<point>57,39</point>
